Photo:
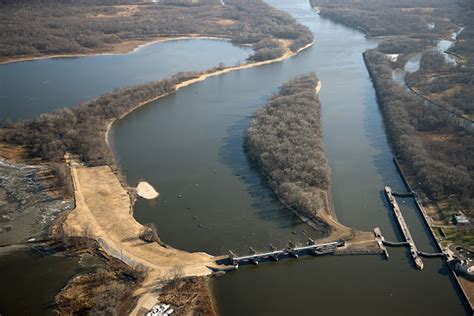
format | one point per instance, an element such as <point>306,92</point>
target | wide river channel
<point>190,144</point>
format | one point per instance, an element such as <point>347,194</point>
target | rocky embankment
<point>27,210</point>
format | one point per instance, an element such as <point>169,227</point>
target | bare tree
<point>149,233</point>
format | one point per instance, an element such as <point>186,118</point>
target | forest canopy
<point>285,141</point>
<point>427,117</point>
<point>52,27</point>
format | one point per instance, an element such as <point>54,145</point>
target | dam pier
<point>292,251</point>
<point>233,261</point>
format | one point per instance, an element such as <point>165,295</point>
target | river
<point>190,144</point>
<point>60,82</point>
<point>30,281</point>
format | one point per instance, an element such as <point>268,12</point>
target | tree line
<point>387,17</point>
<point>447,84</point>
<point>428,140</point>
<point>285,141</point>
<point>66,26</point>
<point>434,149</point>
<point>80,130</point>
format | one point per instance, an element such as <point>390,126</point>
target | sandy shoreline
<point>88,217</point>
<point>201,78</point>
<point>147,191</point>
<point>318,87</point>
<point>101,194</point>
<point>338,230</point>
<point>123,48</point>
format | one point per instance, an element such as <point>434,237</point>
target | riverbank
<point>30,197</point>
<point>203,77</point>
<point>291,155</point>
<point>102,194</point>
<point>60,28</point>
<point>410,162</point>
<point>465,285</point>
<point>126,47</point>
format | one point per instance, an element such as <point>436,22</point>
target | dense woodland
<point>408,23</point>
<point>67,27</point>
<point>432,145</point>
<point>449,85</point>
<point>285,141</point>
<point>401,17</point>
<point>428,140</point>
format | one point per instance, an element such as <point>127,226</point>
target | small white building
<point>392,57</point>
<point>465,268</point>
<point>461,219</point>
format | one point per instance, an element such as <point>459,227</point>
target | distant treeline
<point>388,17</point>
<point>285,141</point>
<point>67,26</point>
<point>465,44</point>
<point>429,141</point>
<point>80,130</point>
<point>447,84</point>
<point>433,147</point>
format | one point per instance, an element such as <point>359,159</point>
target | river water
<point>30,281</point>
<point>190,144</point>
<point>60,82</point>
<point>413,62</point>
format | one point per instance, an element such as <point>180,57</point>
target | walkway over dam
<point>232,261</point>
<point>274,254</point>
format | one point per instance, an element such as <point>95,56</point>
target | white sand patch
<point>146,191</point>
<point>318,87</point>
<point>392,57</point>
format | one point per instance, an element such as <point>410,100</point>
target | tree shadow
<point>265,202</point>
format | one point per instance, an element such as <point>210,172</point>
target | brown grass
<point>422,10</point>
<point>129,46</point>
<point>104,213</point>
<point>13,153</point>
<point>225,22</point>
<point>190,296</point>
<point>104,290</point>
<point>122,11</point>
<point>468,287</point>
<point>427,137</point>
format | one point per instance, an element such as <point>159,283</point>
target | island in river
<point>99,193</point>
<point>428,117</point>
<point>285,142</point>
<point>160,190</point>
<point>61,28</point>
